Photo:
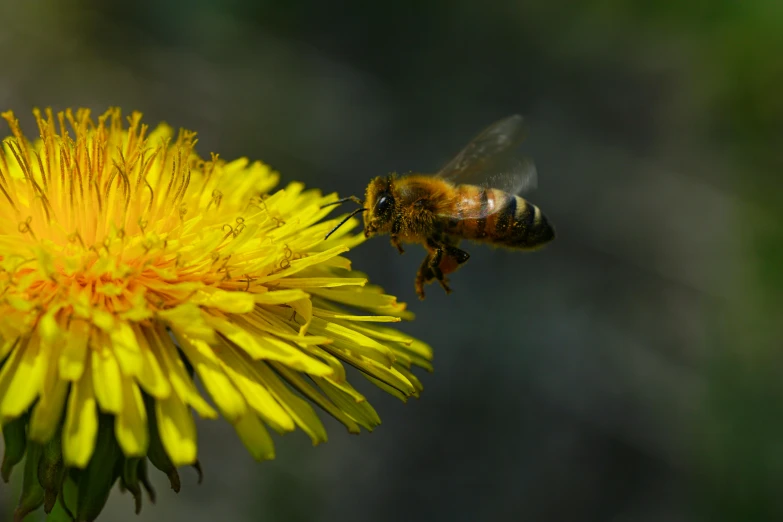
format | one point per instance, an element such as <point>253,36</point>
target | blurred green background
<point>630,372</point>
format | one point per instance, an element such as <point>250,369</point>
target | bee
<point>473,197</point>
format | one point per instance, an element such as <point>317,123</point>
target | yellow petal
<point>130,426</point>
<point>295,379</point>
<point>8,371</point>
<point>109,289</point>
<point>297,408</point>
<point>344,349</point>
<point>103,319</point>
<point>7,346</point>
<point>360,297</point>
<point>16,302</point>
<point>353,341</point>
<point>47,413</point>
<point>418,360</point>
<point>151,377</point>
<point>74,354</point>
<point>48,410</point>
<point>408,348</point>
<point>139,309</point>
<point>104,265</point>
<point>255,437</point>
<point>81,422</point>
<point>48,328</point>
<point>338,370</point>
<point>417,385</point>
<point>257,396</point>
<point>304,314</point>
<point>388,389</point>
<point>380,332</point>
<point>334,316</point>
<point>300,264</point>
<point>187,318</point>
<point>353,404</point>
<point>232,302</point>
<point>45,261</point>
<point>263,321</point>
<point>21,378</point>
<point>389,375</point>
<point>174,368</point>
<point>321,282</point>
<point>126,348</point>
<point>279,297</point>
<point>177,430</point>
<point>268,346</point>
<point>107,380</point>
<point>227,398</point>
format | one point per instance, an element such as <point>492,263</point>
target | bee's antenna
<point>344,200</point>
<point>344,221</point>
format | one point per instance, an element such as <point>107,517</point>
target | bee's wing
<point>480,156</point>
<point>512,176</point>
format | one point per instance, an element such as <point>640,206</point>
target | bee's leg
<point>395,235</point>
<point>458,255</point>
<point>450,244</point>
<point>438,273</point>
<point>424,276</point>
<point>396,243</point>
<point>434,263</point>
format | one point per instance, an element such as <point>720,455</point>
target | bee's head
<point>380,205</point>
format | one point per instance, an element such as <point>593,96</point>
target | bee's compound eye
<point>383,205</point>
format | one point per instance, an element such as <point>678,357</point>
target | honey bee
<point>473,197</point>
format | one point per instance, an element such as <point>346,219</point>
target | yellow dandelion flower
<point>130,268</point>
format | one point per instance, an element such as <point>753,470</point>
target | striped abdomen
<point>496,217</point>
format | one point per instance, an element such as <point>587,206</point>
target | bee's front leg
<point>396,243</point>
<point>395,236</point>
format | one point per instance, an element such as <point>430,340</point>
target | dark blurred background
<point>630,372</point>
